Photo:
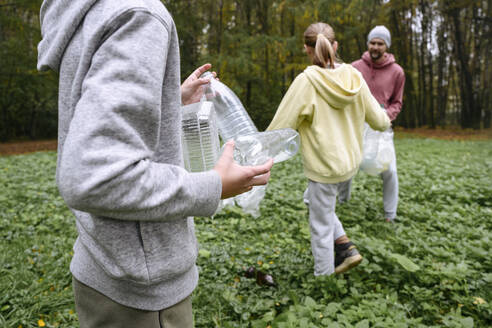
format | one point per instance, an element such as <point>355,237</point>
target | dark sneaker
<point>346,257</point>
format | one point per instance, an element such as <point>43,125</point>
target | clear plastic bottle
<point>232,119</point>
<point>251,147</point>
<point>200,138</point>
<point>257,148</point>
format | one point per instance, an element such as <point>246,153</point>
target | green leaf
<point>204,253</point>
<point>405,262</point>
<point>259,324</point>
<point>362,324</point>
<point>309,302</point>
<point>304,323</point>
<point>285,317</point>
<point>467,322</point>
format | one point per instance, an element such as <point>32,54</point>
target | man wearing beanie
<point>386,81</point>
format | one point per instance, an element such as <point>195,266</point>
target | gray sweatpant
<point>324,223</point>
<point>390,190</point>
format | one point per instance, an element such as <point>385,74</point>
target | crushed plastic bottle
<point>257,148</point>
<point>200,138</point>
<point>251,147</point>
<point>232,118</point>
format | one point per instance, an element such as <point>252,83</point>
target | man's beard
<point>375,55</point>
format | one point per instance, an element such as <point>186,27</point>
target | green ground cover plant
<point>431,269</point>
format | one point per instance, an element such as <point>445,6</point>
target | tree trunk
<point>464,74</point>
<point>442,77</point>
<point>220,27</point>
<point>424,89</point>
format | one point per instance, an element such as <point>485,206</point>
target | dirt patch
<point>445,134</point>
<point>23,147</point>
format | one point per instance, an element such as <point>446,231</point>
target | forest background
<point>255,46</point>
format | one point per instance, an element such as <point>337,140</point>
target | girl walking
<point>328,104</point>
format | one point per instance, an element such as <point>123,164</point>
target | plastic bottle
<point>232,119</point>
<point>251,147</point>
<point>200,138</point>
<point>257,148</point>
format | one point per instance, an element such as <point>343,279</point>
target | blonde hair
<point>321,36</point>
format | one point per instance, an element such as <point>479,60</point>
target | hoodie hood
<point>59,21</point>
<point>388,59</point>
<point>338,87</point>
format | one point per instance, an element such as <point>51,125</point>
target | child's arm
<point>375,116</point>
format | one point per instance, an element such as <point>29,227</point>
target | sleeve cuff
<point>206,189</point>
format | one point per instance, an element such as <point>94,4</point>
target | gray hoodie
<point>119,156</point>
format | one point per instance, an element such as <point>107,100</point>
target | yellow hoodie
<point>328,107</point>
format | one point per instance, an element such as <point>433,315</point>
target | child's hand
<point>193,87</point>
<point>237,179</point>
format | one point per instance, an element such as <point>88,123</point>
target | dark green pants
<point>98,311</point>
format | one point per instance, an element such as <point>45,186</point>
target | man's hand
<point>237,179</point>
<point>193,87</point>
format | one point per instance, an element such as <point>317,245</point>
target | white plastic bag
<point>250,201</point>
<point>378,150</point>
<point>256,149</point>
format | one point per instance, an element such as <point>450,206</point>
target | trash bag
<point>378,150</point>
<point>250,201</point>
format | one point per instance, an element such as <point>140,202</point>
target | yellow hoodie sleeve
<point>296,105</point>
<point>376,117</point>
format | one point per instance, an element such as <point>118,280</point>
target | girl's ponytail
<point>321,36</point>
<point>323,52</point>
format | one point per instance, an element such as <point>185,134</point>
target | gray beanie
<point>381,32</point>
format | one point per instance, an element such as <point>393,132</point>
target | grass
<point>432,269</point>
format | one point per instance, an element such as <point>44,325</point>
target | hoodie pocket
<point>140,252</point>
<point>170,248</point>
<point>115,245</point>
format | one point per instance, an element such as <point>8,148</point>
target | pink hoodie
<point>385,80</point>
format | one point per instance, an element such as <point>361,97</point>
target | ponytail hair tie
<point>320,35</point>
